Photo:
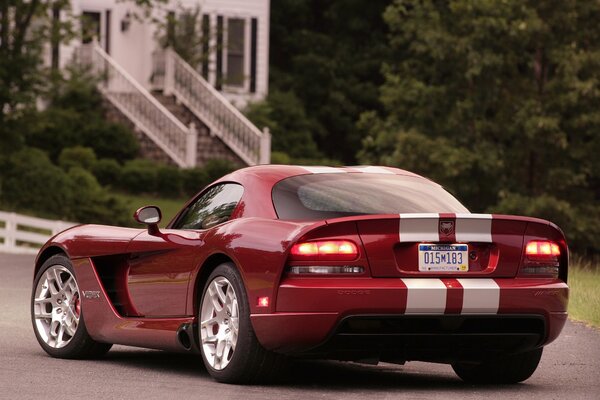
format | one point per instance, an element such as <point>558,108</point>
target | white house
<point>239,30</point>
<point>121,43</point>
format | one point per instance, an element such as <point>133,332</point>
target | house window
<point>235,51</point>
<point>90,26</point>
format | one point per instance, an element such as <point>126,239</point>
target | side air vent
<point>113,271</point>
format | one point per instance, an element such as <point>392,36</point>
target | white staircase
<point>140,107</point>
<point>178,141</point>
<point>176,77</point>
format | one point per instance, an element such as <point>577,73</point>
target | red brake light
<point>325,250</point>
<point>541,258</point>
<point>542,248</point>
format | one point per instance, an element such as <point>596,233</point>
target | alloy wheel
<point>57,306</point>
<point>219,322</point>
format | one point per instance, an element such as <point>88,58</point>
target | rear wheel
<point>56,312</point>
<point>229,347</point>
<point>510,369</point>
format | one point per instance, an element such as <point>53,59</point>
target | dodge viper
<point>268,263</point>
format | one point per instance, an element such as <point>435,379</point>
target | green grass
<point>169,207</point>
<point>584,301</point>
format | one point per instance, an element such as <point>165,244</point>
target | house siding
<point>133,48</point>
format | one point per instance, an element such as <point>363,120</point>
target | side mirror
<point>149,215</point>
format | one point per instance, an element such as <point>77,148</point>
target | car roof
<point>273,173</point>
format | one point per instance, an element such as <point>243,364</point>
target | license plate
<point>443,257</point>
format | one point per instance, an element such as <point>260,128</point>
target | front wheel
<point>509,369</point>
<point>229,347</point>
<point>56,312</point>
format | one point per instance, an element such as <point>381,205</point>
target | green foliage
<point>107,171</point>
<point>183,31</point>
<point>169,181</point>
<point>77,156</point>
<point>25,28</point>
<point>194,179</point>
<point>279,157</point>
<point>30,182</point>
<point>584,297</point>
<point>329,55</point>
<point>76,117</point>
<point>91,203</point>
<point>291,130</point>
<point>216,168</point>
<point>498,101</point>
<point>139,176</point>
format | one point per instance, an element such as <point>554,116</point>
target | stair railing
<point>140,107</point>
<point>213,109</point>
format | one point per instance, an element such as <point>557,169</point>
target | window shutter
<point>253,49</point>
<point>219,82</point>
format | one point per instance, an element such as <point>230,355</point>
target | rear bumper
<point>322,316</point>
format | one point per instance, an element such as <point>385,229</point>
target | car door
<point>160,265</point>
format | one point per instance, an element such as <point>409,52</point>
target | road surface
<point>570,368</point>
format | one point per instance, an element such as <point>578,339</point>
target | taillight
<point>542,249</point>
<point>541,258</point>
<point>333,250</point>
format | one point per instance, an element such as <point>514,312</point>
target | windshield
<point>323,196</point>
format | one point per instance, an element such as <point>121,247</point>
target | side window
<point>212,208</point>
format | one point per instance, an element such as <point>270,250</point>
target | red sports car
<point>363,263</point>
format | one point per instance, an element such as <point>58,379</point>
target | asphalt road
<point>570,368</point>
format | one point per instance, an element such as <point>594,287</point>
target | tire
<point>243,360</point>
<point>58,309</point>
<point>507,370</point>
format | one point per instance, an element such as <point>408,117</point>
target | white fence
<point>23,234</point>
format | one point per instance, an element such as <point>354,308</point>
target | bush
<point>139,176</point>
<point>30,182</point>
<point>169,181</point>
<point>92,203</point>
<point>292,129</point>
<point>215,169</point>
<point>107,171</point>
<point>55,129</point>
<point>194,180</point>
<point>279,157</point>
<point>76,117</point>
<point>77,156</point>
<point>110,140</point>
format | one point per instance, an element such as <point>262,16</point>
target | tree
<point>499,102</point>
<point>328,54</point>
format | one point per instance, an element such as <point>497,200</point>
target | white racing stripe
<point>422,227</point>
<point>425,296</point>
<point>480,296</point>
<point>324,170</point>
<point>474,228</point>
<point>419,227</point>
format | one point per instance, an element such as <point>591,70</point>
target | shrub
<point>92,203</point>
<point>279,157</point>
<point>139,176</point>
<point>55,129</point>
<point>30,182</point>
<point>76,117</point>
<point>194,179</point>
<point>215,169</point>
<point>77,156</point>
<point>107,171</point>
<point>110,140</point>
<point>169,181</point>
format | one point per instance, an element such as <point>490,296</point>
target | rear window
<point>323,196</point>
